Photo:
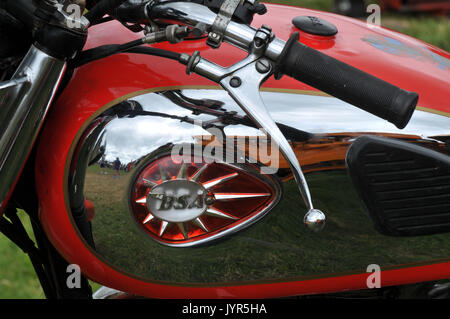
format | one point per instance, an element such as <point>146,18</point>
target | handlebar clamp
<point>221,22</point>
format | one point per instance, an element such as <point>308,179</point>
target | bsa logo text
<point>178,203</point>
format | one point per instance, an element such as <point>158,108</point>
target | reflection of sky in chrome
<point>319,114</point>
<point>131,138</point>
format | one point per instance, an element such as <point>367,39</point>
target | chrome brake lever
<point>242,81</point>
<point>243,86</point>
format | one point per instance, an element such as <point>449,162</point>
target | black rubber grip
<point>346,82</point>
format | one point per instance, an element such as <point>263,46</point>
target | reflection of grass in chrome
<point>17,277</point>
<point>277,247</point>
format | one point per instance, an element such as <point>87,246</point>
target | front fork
<point>24,102</point>
<point>26,98</point>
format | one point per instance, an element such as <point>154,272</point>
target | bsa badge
<point>184,204</point>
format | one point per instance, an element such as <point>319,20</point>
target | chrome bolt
<point>235,82</point>
<point>263,66</point>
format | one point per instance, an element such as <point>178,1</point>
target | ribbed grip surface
<point>405,187</point>
<point>347,83</point>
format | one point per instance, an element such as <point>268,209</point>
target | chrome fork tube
<point>24,102</point>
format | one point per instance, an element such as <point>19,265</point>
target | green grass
<point>434,30</point>
<point>17,277</point>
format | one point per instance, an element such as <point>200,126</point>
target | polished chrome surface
<point>24,102</point>
<point>238,34</point>
<point>276,247</point>
<point>11,84</point>
<point>324,114</point>
<point>108,293</point>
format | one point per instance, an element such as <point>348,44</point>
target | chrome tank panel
<point>277,247</point>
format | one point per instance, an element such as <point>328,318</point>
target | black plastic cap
<point>315,25</point>
<point>403,108</point>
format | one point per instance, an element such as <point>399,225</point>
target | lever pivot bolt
<point>263,66</point>
<point>235,82</point>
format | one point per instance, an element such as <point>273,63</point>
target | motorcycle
<point>222,149</point>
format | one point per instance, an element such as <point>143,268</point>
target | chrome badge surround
<point>184,200</point>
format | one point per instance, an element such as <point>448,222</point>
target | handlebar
<point>307,65</point>
<point>192,14</point>
<point>291,58</point>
